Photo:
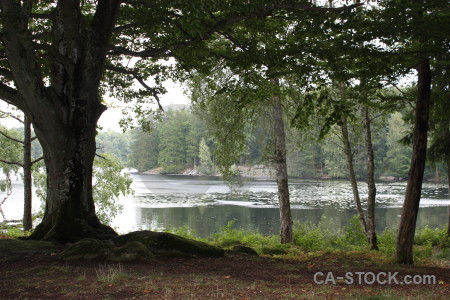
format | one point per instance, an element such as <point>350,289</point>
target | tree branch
<point>10,115</point>
<point>139,79</point>
<point>37,160</point>
<point>151,90</point>
<point>268,11</point>
<point>102,157</point>
<point>10,95</point>
<point>11,163</point>
<point>6,73</point>
<point>11,138</point>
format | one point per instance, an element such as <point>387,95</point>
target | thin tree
<point>26,164</point>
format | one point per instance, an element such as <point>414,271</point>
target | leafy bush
<point>229,237</point>
<point>353,237</point>
<point>386,242</point>
<point>309,237</point>
<point>183,231</point>
<point>437,237</point>
<point>312,237</point>
<point>424,251</point>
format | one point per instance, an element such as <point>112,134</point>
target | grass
<point>110,273</point>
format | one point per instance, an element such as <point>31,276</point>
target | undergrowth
<point>309,237</point>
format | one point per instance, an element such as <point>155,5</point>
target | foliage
<point>310,237</point>
<point>353,236</point>
<point>436,237</point>
<point>206,163</point>
<point>109,183</point>
<point>10,151</point>
<point>13,231</point>
<point>398,155</point>
<point>387,242</point>
<point>144,149</point>
<point>118,144</point>
<point>229,237</point>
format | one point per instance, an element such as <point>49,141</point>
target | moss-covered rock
<point>163,243</point>
<point>11,246</point>
<point>244,249</point>
<point>88,249</point>
<point>130,252</point>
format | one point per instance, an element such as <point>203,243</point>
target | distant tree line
<point>173,145</point>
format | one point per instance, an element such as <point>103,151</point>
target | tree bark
<point>405,238</point>
<point>372,191</point>
<point>286,233</point>
<point>69,154</point>
<point>448,209</point>
<point>27,182</point>
<point>351,170</point>
<point>64,110</point>
<point>351,173</point>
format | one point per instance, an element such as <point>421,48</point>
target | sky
<point>111,117</point>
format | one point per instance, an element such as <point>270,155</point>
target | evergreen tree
<point>206,164</point>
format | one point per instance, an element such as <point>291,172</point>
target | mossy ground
<point>39,273</point>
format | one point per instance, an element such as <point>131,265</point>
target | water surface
<point>206,204</point>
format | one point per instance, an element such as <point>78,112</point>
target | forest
<point>351,89</point>
<point>181,133</point>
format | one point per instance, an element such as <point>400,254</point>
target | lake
<point>205,204</point>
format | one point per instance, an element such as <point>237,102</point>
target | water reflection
<point>206,204</point>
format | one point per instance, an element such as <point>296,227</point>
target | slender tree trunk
<point>281,170</point>
<point>372,191</point>
<point>448,179</point>
<point>27,182</point>
<point>351,170</point>
<point>405,239</point>
<point>351,173</point>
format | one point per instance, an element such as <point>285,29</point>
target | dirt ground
<point>236,276</point>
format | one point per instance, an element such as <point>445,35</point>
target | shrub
<point>437,237</point>
<point>387,242</point>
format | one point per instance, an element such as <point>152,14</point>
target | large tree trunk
<point>281,170</point>
<point>27,182</point>
<point>69,154</point>
<point>405,239</point>
<point>372,191</point>
<point>64,108</point>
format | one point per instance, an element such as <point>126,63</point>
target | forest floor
<point>42,275</point>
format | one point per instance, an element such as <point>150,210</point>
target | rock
<point>163,243</point>
<point>12,246</point>
<point>93,249</point>
<point>130,252</point>
<point>88,249</point>
<point>245,249</point>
